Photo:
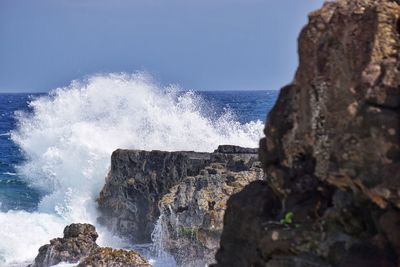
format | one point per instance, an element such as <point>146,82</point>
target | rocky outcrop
<point>108,257</point>
<point>139,179</point>
<point>330,152</point>
<point>192,212</point>
<point>79,244</point>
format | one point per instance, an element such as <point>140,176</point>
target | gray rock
<point>193,212</point>
<point>139,179</point>
<point>230,149</point>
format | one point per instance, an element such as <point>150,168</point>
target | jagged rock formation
<point>79,244</point>
<point>139,179</point>
<point>79,241</point>
<point>192,211</point>
<point>330,152</point>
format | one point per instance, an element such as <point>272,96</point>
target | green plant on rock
<point>188,231</point>
<point>288,218</point>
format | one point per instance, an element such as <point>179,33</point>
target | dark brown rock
<point>331,150</point>
<point>108,257</point>
<point>79,241</point>
<point>251,207</point>
<point>79,245</point>
<point>79,230</point>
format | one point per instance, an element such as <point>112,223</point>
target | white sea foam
<point>70,135</point>
<point>10,173</point>
<point>21,233</point>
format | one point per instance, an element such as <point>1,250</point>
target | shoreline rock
<point>78,242</point>
<point>109,257</point>
<point>189,190</point>
<point>192,212</point>
<point>79,245</point>
<point>128,202</point>
<point>331,151</point>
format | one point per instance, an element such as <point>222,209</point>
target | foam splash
<point>70,134</point>
<point>22,234</point>
<point>159,236</point>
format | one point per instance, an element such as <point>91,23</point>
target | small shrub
<point>288,218</point>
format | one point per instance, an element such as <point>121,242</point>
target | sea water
<point>55,148</point>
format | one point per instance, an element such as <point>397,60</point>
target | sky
<point>196,44</point>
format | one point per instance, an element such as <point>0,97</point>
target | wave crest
<point>69,135</point>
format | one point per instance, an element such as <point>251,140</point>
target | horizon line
<point>195,90</point>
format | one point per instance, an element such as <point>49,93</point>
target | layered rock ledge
<point>330,152</point>
<point>188,189</point>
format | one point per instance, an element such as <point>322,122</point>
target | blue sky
<point>198,44</point>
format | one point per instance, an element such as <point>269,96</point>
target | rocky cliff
<point>135,184</point>
<point>189,190</point>
<point>330,152</point>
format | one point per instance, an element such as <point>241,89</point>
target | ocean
<point>55,148</point>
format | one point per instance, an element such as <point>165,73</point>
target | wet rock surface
<point>79,245</point>
<point>330,152</point>
<point>79,241</point>
<point>108,257</point>
<point>138,180</point>
<point>184,193</point>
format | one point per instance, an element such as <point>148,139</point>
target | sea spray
<point>157,251</point>
<point>22,233</point>
<point>158,237</point>
<point>69,135</point>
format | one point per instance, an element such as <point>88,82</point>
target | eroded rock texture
<point>108,257</point>
<point>330,152</point>
<point>136,182</point>
<point>193,210</point>
<point>78,242</point>
<point>139,179</point>
<point>79,245</point>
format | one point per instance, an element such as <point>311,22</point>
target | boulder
<point>107,257</point>
<point>330,152</point>
<point>79,246</point>
<point>79,241</point>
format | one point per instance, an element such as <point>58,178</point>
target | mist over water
<point>68,138</point>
